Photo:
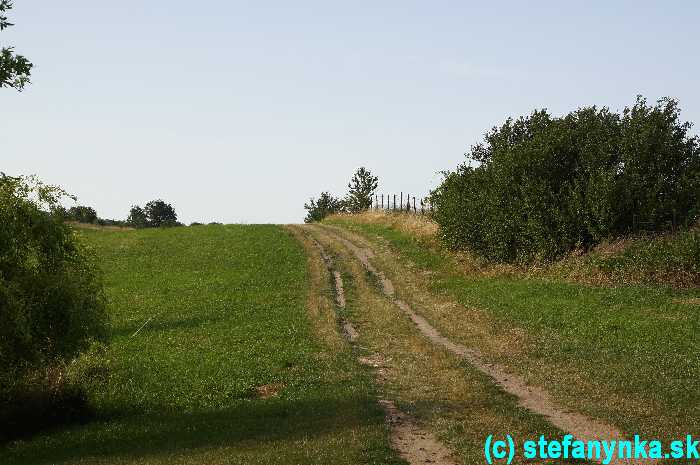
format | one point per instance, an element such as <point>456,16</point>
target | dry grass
<point>417,225</point>
<point>78,225</point>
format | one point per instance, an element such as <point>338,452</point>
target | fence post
<point>382,201</point>
<point>421,207</point>
<point>414,205</point>
<point>394,202</point>
<point>401,202</point>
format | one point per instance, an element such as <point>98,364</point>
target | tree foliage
<point>540,186</point>
<point>160,213</point>
<point>326,205</point>
<point>51,297</point>
<point>15,69</point>
<point>82,214</point>
<point>137,217</point>
<point>155,214</point>
<point>362,187</point>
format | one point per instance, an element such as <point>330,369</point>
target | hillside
<point>217,356</point>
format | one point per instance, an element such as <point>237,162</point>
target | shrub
<point>539,186</point>
<point>326,205</point>
<point>51,297</point>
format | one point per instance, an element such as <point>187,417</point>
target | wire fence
<point>402,203</point>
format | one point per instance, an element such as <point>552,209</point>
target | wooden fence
<point>403,203</point>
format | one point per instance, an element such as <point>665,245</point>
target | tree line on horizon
<point>156,213</point>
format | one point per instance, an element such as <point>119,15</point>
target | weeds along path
<point>413,443</point>
<point>529,397</point>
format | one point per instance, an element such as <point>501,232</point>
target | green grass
<point>229,315</point>
<point>628,354</point>
<point>671,259</point>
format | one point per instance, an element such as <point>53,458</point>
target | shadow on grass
<point>165,433</point>
<point>163,324</point>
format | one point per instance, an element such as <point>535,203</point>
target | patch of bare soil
<point>531,397</point>
<point>269,390</point>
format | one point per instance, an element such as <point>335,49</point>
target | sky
<point>238,111</point>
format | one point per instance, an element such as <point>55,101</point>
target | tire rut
<point>413,443</point>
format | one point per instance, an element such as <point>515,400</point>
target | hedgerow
<point>541,186</point>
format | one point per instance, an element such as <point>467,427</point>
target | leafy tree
<point>137,217</point>
<point>540,186</point>
<point>51,296</point>
<point>160,213</point>
<point>82,214</point>
<point>362,187</point>
<point>326,205</point>
<point>14,69</point>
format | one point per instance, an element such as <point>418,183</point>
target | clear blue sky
<point>240,111</point>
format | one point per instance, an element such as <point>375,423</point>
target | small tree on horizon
<point>159,213</point>
<point>82,214</point>
<point>326,205</point>
<point>362,187</point>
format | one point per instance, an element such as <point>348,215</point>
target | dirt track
<point>530,397</point>
<point>415,444</point>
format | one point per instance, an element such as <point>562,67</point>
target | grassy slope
<point>230,306</point>
<point>629,354</point>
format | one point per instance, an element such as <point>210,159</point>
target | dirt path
<point>530,397</point>
<point>413,443</point>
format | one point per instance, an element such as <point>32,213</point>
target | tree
<point>362,187</point>
<point>51,296</point>
<point>160,213</point>
<point>137,217</point>
<point>326,205</point>
<point>541,186</point>
<point>82,214</point>
<point>14,69</point>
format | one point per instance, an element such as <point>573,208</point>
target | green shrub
<point>326,205</point>
<point>539,187</point>
<point>52,304</point>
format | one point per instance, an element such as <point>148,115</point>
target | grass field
<point>229,368</point>
<point>629,355</point>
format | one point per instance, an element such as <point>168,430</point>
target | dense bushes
<point>52,304</point>
<point>540,186</point>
